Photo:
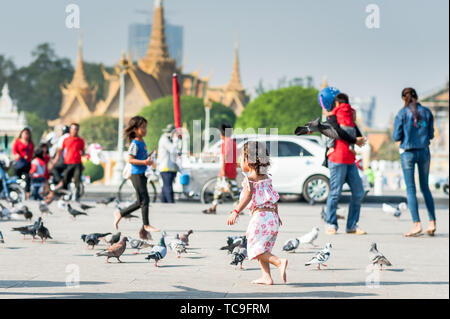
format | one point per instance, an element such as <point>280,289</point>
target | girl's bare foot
<point>117,218</point>
<point>417,230</point>
<point>263,281</point>
<point>150,228</point>
<point>431,228</point>
<point>282,268</point>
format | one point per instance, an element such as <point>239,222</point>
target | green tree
<point>284,109</point>
<point>100,129</point>
<point>160,113</point>
<point>37,124</point>
<point>7,70</point>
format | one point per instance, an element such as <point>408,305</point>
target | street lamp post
<point>120,163</point>
<point>208,106</point>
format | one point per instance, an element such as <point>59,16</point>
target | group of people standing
<point>36,165</point>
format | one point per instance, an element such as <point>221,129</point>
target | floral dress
<point>262,230</point>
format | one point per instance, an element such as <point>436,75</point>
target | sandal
<point>415,234</point>
<point>209,211</point>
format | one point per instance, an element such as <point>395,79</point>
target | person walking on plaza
<point>22,150</point>
<point>226,181</point>
<point>139,159</point>
<point>414,128</point>
<point>167,154</point>
<point>259,197</point>
<point>343,169</point>
<point>74,148</point>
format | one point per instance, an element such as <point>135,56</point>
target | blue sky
<point>277,38</point>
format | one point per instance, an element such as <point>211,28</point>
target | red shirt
<point>38,168</point>
<point>229,154</point>
<point>46,160</point>
<point>344,115</point>
<point>74,146</point>
<point>21,148</point>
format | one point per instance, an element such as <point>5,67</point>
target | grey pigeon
<point>185,237</point>
<point>106,201</point>
<point>4,211</point>
<point>159,251</point>
<point>30,229</point>
<point>239,254</point>
<point>115,251</point>
<point>321,257</point>
<point>86,207</point>
<point>377,258</point>
<point>43,207</point>
<point>291,245</point>
<point>178,246</point>
<point>114,238</point>
<point>74,212</point>
<point>2,240</point>
<point>232,243</point>
<point>93,239</point>
<point>43,232</point>
<point>139,244</point>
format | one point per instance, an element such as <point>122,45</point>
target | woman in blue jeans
<point>414,129</point>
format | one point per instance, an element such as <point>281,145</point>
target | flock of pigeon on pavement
<point>236,245</point>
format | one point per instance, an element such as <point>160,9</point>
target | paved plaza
<point>34,270</point>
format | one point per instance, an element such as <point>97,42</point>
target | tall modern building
<point>365,109</point>
<point>139,37</point>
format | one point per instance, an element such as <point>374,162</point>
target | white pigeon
<point>321,257</point>
<point>62,204</point>
<point>310,237</point>
<point>377,258</point>
<point>395,211</point>
<point>177,245</point>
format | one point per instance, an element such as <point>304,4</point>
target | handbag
<point>22,163</point>
<point>126,173</point>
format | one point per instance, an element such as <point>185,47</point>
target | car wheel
<point>316,187</point>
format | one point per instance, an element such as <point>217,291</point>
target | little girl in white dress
<point>261,200</point>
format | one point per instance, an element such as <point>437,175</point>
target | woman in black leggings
<point>139,160</point>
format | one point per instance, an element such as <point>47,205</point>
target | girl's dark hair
<point>257,156</point>
<point>26,129</point>
<point>135,123</point>
<point>410,97</point>
<point>42,145</point>
<point>225,129</point>
<point>342,98</point>
<point>39,153</point>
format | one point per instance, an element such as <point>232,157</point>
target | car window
<point>288,149</point>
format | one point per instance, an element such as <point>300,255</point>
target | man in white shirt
<point>167,166</point>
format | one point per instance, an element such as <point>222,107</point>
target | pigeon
<point>232,243</point>
<point>106,201</point>
<point>27,214</point>
<point>144,235</point>
<point>178,246</point>
<point>74,212</point>
<point>291,245</point>
<point>62,204</point>
<point>93,239</point>
<point>310,237</point>
<point>159,251</point>
<point>312,202</point>
<point>43,207</point>
<point>321,257</point>
<point>239,254</point>
<point>4,211</point>
<point>323,214</point>
<point>114,238</point>
<point>185,237</point>
<point>395,211</point>
<point>43,232</point>
<point>139,244</point>
<point>115,251</point>
<point>2,240</point>
<point>86,207</point>
<point>376,257</point>
<point>30,229</point>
